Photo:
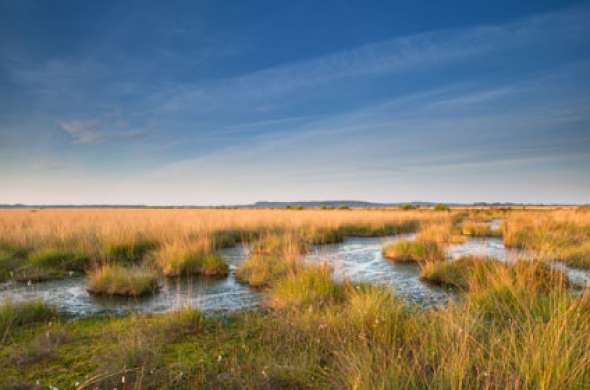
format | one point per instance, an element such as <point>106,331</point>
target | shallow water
<point>358,259</point>
<point>485,246</point>
<point>494,247</point>
<point>70,295</point>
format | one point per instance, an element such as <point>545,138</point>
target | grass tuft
<point>413,251</point>
<point>263,270</point>
<point>122,281</point>
<point>185,258</point>
<point>59,259</point>
<point>311,286</point>
<point>442,232</point>
<point>127,252</point>
<point>458,273</point>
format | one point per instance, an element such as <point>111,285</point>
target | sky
<point>232,102</point>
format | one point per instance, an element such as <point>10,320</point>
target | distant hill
<point>306,204</point>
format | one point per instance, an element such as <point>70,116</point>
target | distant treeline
<point>299,205</point>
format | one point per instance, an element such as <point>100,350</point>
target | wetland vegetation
<point>509,323</point>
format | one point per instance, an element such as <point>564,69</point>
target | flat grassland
<point>516,326</point>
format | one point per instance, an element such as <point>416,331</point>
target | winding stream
<point>356,258</point>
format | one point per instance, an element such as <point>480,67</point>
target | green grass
<point>501,336</point>
<point>59,259</point>
<point>8,264</point>
<point>212,264</point>
<point>122,281</point>
<point>311,286</point>
<point>127,252</point>
<point>44,264</point>
<point>41,264</point>
<point>228,238</point>
<point>14,315</point>
<point>322,236</point>
<point>280,244</point>
<point>174,259</point>
<point>477,273</point>
<point>413,251</point>
<point>263,270</point>
<point>458,273</point>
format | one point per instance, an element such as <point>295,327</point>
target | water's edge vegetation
<point>515,325</point>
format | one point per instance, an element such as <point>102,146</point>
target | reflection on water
<point>357,258</point>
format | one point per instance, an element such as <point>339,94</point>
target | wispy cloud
<point>93,132</point>
<point>406,54</point>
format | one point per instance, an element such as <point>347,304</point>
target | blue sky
<point>209,102</point>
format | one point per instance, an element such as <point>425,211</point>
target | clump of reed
<point>285,243</point>
<point>186,257</point>
<point>413,251</point>
<point>126,252</point>
<point>559,236</point>
<point>263,270</point>
<point>478,273</point>
<point>50,263</point>
<point>321,236</point>
<point>441,232</point>
<point>273,256</point>
<point>117,280</point>
<point>458,273</point>
<point>311,285</point>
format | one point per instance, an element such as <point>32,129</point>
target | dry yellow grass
<point>90,229</point>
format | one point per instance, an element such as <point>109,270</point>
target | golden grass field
<point>515,326</point>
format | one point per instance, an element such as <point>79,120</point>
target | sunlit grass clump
<point>413,251</point>
<point>441,232</point>
<point>127,252</point>
<point>311,285</point>
<point>117,280</point>
<point>458,273</point>
<point>263,270</point>
<point>284,244</point>
<point>478,273</point>
<point>178,258</point>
